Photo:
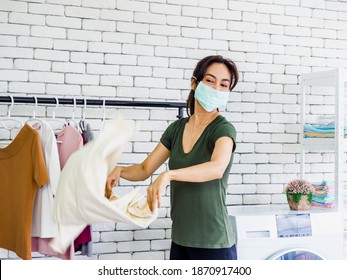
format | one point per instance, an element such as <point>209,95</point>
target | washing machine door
<point>297,254</point>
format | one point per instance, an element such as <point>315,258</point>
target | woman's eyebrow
<point>213,76</point>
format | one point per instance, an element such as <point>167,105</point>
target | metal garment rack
<point>94,102</point>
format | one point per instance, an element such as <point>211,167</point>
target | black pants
<point>179,252</point>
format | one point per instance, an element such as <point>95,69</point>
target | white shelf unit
<point>337,80</point>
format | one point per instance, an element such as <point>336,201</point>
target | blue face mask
<point>209,98</point>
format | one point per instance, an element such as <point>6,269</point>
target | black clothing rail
<point>94,102</point>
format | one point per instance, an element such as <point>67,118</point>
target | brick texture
<point>147,50</point>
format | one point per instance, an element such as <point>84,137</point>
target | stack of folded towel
<point>321,131</point>
<point>325,128</point>
<point>323,195</point>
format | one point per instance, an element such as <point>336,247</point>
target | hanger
<point>84,109</point>
<point>54,120</point>
<point>73,121</point>
<point>33,118</point>
<point>16,123</point>
<point>103,114</point>
<point>82,123</point>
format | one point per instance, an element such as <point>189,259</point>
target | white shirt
<point>80,198</point>
<point>43,224</point>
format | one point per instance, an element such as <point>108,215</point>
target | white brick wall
<point>147,50</point>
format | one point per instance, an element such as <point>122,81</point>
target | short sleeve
<point>225,129</point>
<point>39,166</point>
<point>167,137</point>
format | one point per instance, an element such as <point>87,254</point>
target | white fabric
<point>328,120</point>
<point>42,221</point>
<point>80,198</point>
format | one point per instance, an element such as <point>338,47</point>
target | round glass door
<point>297,254</point>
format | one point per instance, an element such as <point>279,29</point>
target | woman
<point>200,151</point>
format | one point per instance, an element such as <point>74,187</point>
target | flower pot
<point>298,201</point>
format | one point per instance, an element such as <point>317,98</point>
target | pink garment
<point>41,245</point>
<point>69,140</point>
<point>84,237</point>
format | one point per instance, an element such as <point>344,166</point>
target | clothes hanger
<point>84,109</point>
<point>52,120</point>
<point>82,123</point>
<point>73,121</point>
<point>33,118</point>
<point>16,123</point>
<point>103,114</point>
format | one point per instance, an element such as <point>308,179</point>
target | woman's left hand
<point>155,189</point>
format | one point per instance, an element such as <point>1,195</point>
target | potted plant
<point>299,194</point>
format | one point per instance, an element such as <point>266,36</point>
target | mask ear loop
<point>193,83</point>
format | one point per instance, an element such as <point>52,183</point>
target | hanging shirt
<point>22,170</point>
<point>69,140</point>
<point>43,224</point>
<point>42,246</point>
<point>80,198</point>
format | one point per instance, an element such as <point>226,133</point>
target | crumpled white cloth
<point>329,120</point>
<point>80,199</point>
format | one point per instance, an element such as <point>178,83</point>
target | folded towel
<point>318,135</point>
<point>320,128</point>
<point>328,120</point>
<point>323,195</point>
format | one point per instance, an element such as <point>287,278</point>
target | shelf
<point>314,144</point>
<point>275,209</point>
<point>323,78</point>
<point>337,79</point>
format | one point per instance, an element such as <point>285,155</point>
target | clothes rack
<point>94,102</point>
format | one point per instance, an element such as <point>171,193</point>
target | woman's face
<point>218,77</point>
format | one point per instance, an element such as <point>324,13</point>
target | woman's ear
<point>193,83</point>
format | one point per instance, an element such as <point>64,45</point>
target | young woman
<point>200,152</point>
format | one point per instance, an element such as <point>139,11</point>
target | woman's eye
<point>224,85</point>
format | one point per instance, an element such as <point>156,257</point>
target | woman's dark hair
<point>200,71</point>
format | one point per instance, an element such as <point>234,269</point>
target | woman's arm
<point>142,171</point>
<point>211,170</point>
<point>138,172</point>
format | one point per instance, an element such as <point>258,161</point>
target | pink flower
<point>299,186</point>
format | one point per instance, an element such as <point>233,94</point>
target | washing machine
<point>276,232</point>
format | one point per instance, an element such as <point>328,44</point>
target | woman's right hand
<point>112,180</point>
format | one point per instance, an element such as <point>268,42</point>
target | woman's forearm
<point>198,173</point>
<point>140,172</point>
<point>208,171</point>
<point>134,172</point>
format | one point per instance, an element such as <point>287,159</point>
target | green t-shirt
<point>198,210</point>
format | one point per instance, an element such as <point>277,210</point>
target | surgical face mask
<point>209,98</point>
